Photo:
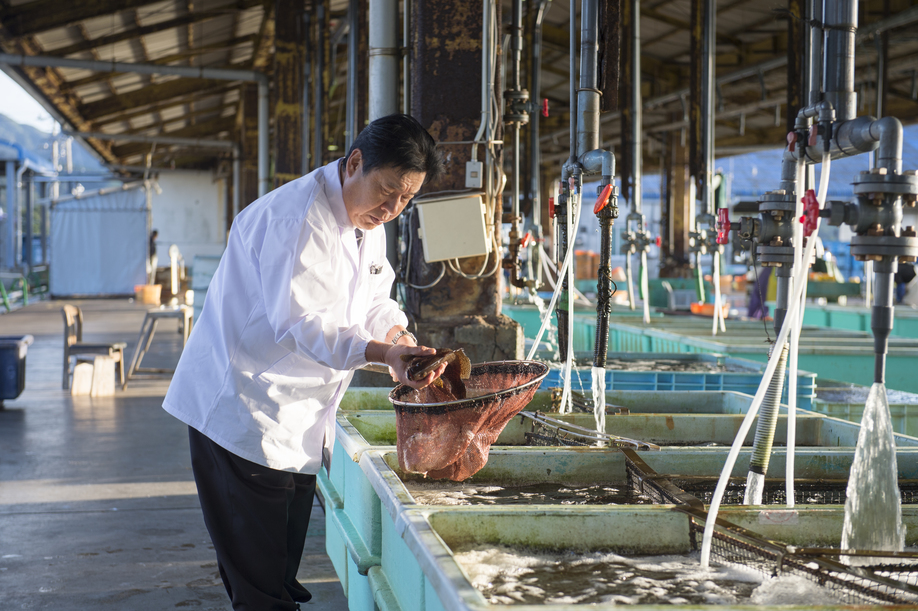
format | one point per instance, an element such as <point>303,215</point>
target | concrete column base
<point>484,338</point>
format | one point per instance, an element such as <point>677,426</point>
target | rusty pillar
<point>446,99</point>
<point>248,183</point>
<point>289,57</point>
<point>796,52</point>
<point>678,214</point>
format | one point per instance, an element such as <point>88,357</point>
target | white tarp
<point>99,244</point>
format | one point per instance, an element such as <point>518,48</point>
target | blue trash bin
<point>13,351</point>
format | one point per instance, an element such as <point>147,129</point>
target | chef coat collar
<point>335,195</point>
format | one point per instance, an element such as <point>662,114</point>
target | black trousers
<point>257,519</point>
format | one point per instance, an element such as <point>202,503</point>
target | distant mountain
<point>38,143</point>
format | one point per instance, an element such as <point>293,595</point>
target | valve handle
<point>551,207</point>
<point>810,216</point>
<point>545,107</point>
<point>814,135</point>
<point>527,240</point>
<point>791,141</point>
<point>603,200</point>
<point>723,225</point>
<point>658,241</point>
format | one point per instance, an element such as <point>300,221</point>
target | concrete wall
<point>190,213</point>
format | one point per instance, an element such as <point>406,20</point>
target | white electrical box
<point>453,227</point>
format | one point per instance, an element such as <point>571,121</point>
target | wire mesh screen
<point>890,578</point>
<point>548,431</point>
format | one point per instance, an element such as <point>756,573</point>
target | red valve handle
<point>723,225</point>
<point>810,216</point>
<point>527,240</point>
<point>551,207</point>
<point>603,199</point>
<point>791,141</point>
<point>658,241</point>
<point>814,135</point>
<point>545,107</point>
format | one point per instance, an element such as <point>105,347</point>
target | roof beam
<point>146,30</point>
<point>171,103</point>
<point>145,96</point>
<point>34,17</point>
<point>208,129</point>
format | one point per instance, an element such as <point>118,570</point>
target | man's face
<point>378,196</point>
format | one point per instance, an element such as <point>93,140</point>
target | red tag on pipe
<point>545,107</point>
<point>551,207</point>
<point>603,199</point>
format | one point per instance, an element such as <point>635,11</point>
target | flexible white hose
<point>790,321</point>
<point>645,288</point>
<point>554,296</point>
<point>630,279</point>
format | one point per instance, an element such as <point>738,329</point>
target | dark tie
<point>359,234</point>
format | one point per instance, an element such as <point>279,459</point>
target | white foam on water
<point>599,398</point>
<point>755,486</point>
<point>873,509</point>
<point>507,575</point>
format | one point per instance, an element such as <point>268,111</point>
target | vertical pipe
<point>44,234</point>
<point>406,62</point>
<point>636,110</point>
<point>814,49</point>
<point>9,258</point>
<point>307,75</point>
<point>383,71</point>
<point>838,71</point>
<point>707,71</point>
<point>588,94</point>
<point>263,137</point>
<point>237,171</point>
<point>318,88</point>
<point>572,84</point>
<point>27,252</point>
<point>350,130</point>
<point>383,58</point>
<point>535,152</point>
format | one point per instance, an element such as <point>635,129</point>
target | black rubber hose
<point>603,287</point>
<point>561,305</point>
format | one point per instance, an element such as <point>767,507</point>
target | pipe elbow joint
<point>888,132</point>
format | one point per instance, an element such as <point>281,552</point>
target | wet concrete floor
<point>98,508</point>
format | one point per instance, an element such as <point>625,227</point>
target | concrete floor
<point>98,508</point>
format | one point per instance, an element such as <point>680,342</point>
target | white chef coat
<point>288,316</point>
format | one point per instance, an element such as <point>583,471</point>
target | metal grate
<point>892,579</point>
<point>547,431</point>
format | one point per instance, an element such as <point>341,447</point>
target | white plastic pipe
<point>790,321</point>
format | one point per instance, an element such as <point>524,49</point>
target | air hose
<point>606,214</point>
<point>561,307</point>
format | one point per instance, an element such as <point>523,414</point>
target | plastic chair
<point>76,351</point>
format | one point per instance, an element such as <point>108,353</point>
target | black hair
<point>401,142</point>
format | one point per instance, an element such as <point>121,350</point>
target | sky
<point>19,106</point>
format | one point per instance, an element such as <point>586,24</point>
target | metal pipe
<point>10,257</point>
<point>588,93</point>
<point>383,58</point>
<point>708,86</point>
<point>350,131</point>
<point>318,89</point>
<point>572,35</point>
<point>184,71</point>
<point>28,251</point>
<point>535,151</point>
<point>637,150</point>
<point>838,68</point>
<point>201,142</point>
<point>237,170</point>
<point>881,317</point>
<point>406,57</point>
<point>814,58</point>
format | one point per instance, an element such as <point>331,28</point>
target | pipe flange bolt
<point>884,246</point>
<point>892,184</point>
<point>775,254</point>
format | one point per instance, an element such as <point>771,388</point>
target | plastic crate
<point>746,382</point>
<point>12,365</point>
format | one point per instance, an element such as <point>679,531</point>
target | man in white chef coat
<point>299,301</point>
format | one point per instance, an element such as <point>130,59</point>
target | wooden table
<point>185,316</point>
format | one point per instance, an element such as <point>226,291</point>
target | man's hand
<point>399,366</point>
<point>391,355</point>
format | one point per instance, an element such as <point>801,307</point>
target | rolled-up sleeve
<point>302,295</point>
